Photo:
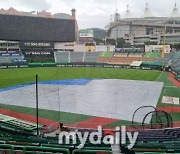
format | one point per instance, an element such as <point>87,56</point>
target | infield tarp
<point>111,98</point>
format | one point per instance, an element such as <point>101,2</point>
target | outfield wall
<point>102,65</point>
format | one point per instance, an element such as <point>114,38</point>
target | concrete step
<point>116,149</point>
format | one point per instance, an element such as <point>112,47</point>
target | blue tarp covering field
<point>52,82</point>
<point>68,82</point>
<point>15,87</point>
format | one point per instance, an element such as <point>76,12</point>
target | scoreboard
<point>36,29</point>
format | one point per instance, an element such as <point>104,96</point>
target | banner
<point>86,33</point>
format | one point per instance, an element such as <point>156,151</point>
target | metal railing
<point>26,149</point>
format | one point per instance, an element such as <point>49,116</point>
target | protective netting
<point>151,118</point>
<point>140,113</point>
<point>159,120</point>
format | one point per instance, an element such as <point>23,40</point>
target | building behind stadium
<point>147,28</point>
<point>35,33</point>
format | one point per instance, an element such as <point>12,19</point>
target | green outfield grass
<point>12,77</point>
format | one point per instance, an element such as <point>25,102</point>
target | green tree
<point>111,41</point>
<point>176,46</point>
<point>98,41</point>
<point>119,43</point>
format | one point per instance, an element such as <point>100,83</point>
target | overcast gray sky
<point>93,13</point>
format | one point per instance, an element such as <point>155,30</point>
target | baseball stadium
<point>45,90</point>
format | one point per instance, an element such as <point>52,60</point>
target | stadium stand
<point>177,69</point>
<point>4,60</point>
<point>175,55</point>
<point>177,77</point>
<point>14,56</point>
<point>18,136</point>
<point>121,60</point>
<point>106,54</point>
<point>168,57</point>
<point>139,55</point>
<point>172,60</point>
<point>77,56</point>
<point>91,57</point>
<point>104,59</point>
<point>62,57</point>
<point>176,64</point>
<point>121,55</point>
<point>16,140</point>
<point>160,140</point>
<point>128,60</point>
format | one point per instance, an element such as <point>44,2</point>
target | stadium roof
<point>13,11</point>
<point>43,13</point>
<point>175,12</point>
<point>128,13</point>
<point>63,16</point>
<point>147,12</point>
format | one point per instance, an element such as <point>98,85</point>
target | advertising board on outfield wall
<point>86,33</point>
<point>157,48</point>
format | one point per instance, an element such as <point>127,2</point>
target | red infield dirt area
<point>176,124</point>
<point>94,122</point>
<point>89,123</point>
<point>173,80</point>
<point>170,109</point>
<point>26,117</point>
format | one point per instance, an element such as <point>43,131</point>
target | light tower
<point>128,13</point>
<point>175,12</point>
<point>73,12</point>
<point>147,12</point>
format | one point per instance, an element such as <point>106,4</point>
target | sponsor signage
<point>86,33</point>
<point>38,53</point>
<point>37,44</point>
<point>157,48</point>
<point>13,66</point>
<point>10,53</point>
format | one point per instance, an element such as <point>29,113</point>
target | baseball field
<point>11,100</point>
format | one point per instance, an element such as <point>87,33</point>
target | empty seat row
<point>65,56</point>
